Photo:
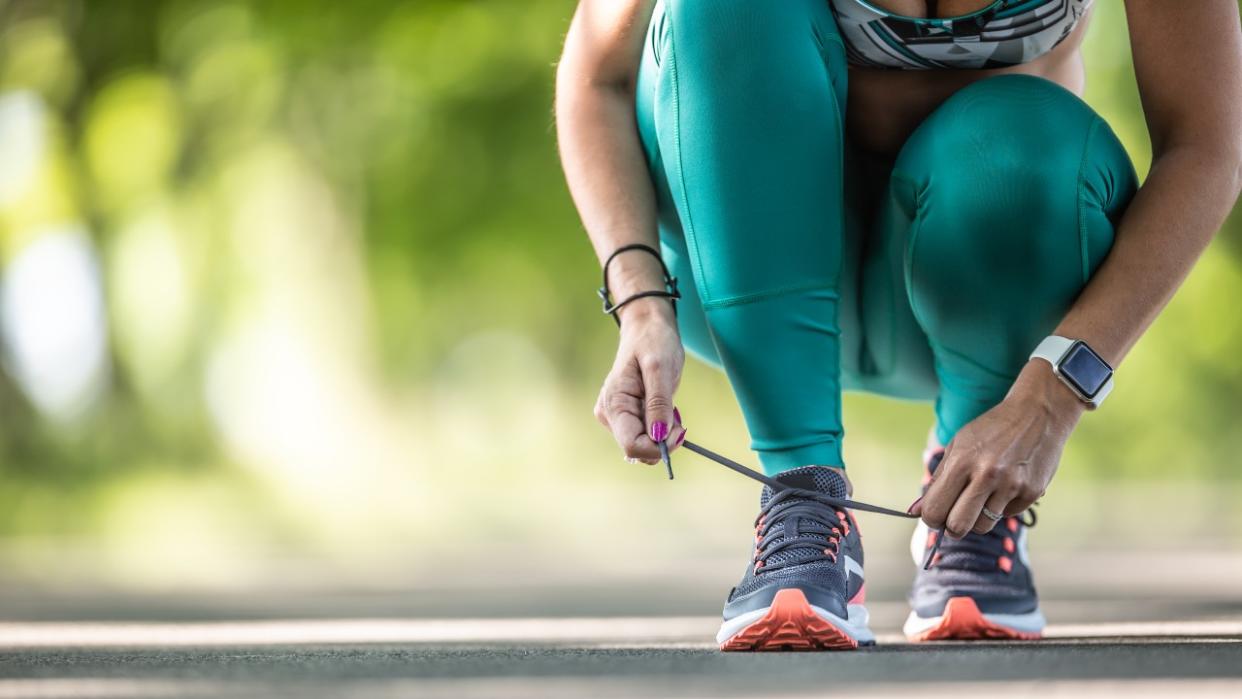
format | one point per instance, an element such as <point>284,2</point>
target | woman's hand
<point>1005,458</point>
<point>636,402</point>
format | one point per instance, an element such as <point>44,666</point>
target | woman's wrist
<point>634,272</point>
<point>645,311</point>
<point>1039,387</point>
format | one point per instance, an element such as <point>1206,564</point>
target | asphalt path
<point>598,657</point>
<point>1113,633</point>
<point>1144,666</point>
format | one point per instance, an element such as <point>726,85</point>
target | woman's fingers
<point>659,382</point>
<point>967,508</point>
<point>636,405</point>
<point>620,409</point>
<point>601,406</point>
<point>947,483</point>
<point>676,437</point>
<point>628,429</point>
<point>677,433</point>
<point>996,503</point>
<point>1025,497</point>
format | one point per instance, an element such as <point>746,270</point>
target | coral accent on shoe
<point>860,597</point>
<point>790,624</point>
<point>1005,563</point>
<point>962,621</point>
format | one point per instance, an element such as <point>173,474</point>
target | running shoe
<point>978,587</point>
<point>803,589</point>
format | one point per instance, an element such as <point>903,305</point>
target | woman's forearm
<point>1194,116</point>
<point>607,175</point>
<point>1167,226</point>
<point>605,165</point>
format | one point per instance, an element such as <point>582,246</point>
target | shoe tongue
<point>818,478</point>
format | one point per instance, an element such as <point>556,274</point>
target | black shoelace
<point>816,511</point>
<point>979,553</point>
<point>806,532</point>
<point>811,522</point>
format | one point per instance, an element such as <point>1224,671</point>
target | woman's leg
<point>740,106</point>
<point>1005,200</point>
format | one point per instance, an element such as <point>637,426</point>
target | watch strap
<point>1052,349</point>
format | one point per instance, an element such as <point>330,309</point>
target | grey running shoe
<point>804,587</point>
<point>979,587</point>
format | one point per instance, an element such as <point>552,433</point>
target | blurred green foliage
<point>334,237</point>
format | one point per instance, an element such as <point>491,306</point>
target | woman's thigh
<point>747,172</point>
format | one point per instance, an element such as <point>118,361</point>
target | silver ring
<point>991,515</point>
<point>631,460</point>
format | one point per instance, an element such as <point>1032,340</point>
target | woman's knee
<point>1014,187</point>
<point>1017,175</point>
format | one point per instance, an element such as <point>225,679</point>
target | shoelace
<point>798,511</point>
<point>784,492</point>
<point>806,532</point>
<point>777,486</point>
<point>980,553</point>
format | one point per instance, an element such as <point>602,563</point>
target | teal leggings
<point>804,276</point>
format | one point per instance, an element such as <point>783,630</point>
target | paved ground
<point>1209,663</point>
<point>1112,635</point>
<point>1177,666</point>
<point>601,657</point>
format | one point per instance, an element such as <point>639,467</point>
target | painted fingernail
<point>682,438</point>
<point>659,431</point>
<point>914,504</point>
<point>676,416</point>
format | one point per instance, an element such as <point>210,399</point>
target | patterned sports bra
<point>1005,33</point>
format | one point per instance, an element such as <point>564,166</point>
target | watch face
<point>1083,368</point>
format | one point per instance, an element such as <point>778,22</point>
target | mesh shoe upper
<point>992,569</point>
<point>802,542</point>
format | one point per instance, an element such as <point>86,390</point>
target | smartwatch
<point>1078,366</point>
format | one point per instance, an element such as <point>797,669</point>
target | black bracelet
<point>669,292</point>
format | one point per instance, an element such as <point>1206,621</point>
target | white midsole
<point>855,626</point>
<point>1030,622</point>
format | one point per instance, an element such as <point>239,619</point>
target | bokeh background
<point>293,294</point>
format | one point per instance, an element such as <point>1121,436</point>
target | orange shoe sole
<point>962,621</point>
<point>790,624</point>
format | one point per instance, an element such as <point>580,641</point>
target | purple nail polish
<point>659,431</point>
<point>676,416</point>
<point>682,438</point>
